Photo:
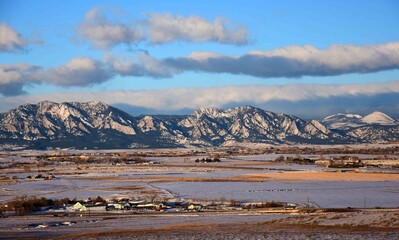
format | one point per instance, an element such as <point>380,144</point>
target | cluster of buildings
<point>132,205</point>
<point>141,206</point>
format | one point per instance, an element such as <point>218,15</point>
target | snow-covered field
<point>252,178</point>
<point>79,189</point>
<point>323,194</point>
<point>185,178</point>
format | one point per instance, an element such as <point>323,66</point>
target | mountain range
<point>96,125</point>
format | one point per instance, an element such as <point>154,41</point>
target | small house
<point>78,207</point>
<point>114,206</point>
<point>96,208</point>
<point>194,207</point>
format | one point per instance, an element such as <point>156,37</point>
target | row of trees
<point>297,160</point>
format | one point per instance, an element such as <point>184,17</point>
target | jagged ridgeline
<point>95,124</point>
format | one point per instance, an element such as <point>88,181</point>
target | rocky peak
<point>45,104</point>
<point>211,112</point>
<point>96,124</point>
<point>146,124</point>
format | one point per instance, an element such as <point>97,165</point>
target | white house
<point>78,207</point>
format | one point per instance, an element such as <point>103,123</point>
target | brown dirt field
<point>214,230</point>
<point>151,192</point>
<point>267,177</point>
<point>193,179</point>
<point>8,182</point>
<point>127,188</point>
<point>326,176</point>
<point>242,178</point>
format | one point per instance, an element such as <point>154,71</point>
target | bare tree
<point>152,198</point>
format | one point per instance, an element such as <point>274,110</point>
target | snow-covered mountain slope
<point>348,121</point>
<point>52,120</point>
<point>98,125</point>
<point>379,118</point>
<point>343,121</point>
<point>252,125</point>
<point>375,133</point>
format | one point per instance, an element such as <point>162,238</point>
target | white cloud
<point>79,72</point>
<point>203,56</point>
<point>104,33</point>
<point>165,28</point>
<point>289,62</point>
<point>10,40</point>
<point>295,61</point>
<point>76,72</point>
<point>9,74</point>
<point>142,65</point>
<point>14,76</point>
<point>176,100</point>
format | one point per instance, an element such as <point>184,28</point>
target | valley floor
<point>330,203</point>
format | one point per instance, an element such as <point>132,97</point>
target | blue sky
<point>65,51</point>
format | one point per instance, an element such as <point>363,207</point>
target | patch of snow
<point>343,115</point>
<point>146,124</point>
<point>379,118</point>
<point>128,130</point>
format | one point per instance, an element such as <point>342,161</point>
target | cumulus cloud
<point>295,61</point>
<point>76,72</point>
<point>79,72</point>
<point>103,33</point>
<point>330,98</point>
<point>289,62</point>
<point>165,28</point>
<point>13,77</point>
<point>10,40</point>
<point>141,65</point>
